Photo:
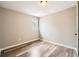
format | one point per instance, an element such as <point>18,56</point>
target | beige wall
<point>60,27</point>
<point>16,28</point>
<point>0,30</point>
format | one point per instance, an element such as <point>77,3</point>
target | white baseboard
<point>60,44</point>
<point>16,45</point>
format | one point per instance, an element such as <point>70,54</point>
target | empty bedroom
<point>38,29</point>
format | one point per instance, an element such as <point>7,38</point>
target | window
<point>35,23</point>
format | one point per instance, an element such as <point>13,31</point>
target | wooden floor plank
<point>44,49</point>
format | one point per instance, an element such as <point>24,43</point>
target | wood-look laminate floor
<point>42,49</point>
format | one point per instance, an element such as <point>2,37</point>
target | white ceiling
<point>35,9</point>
